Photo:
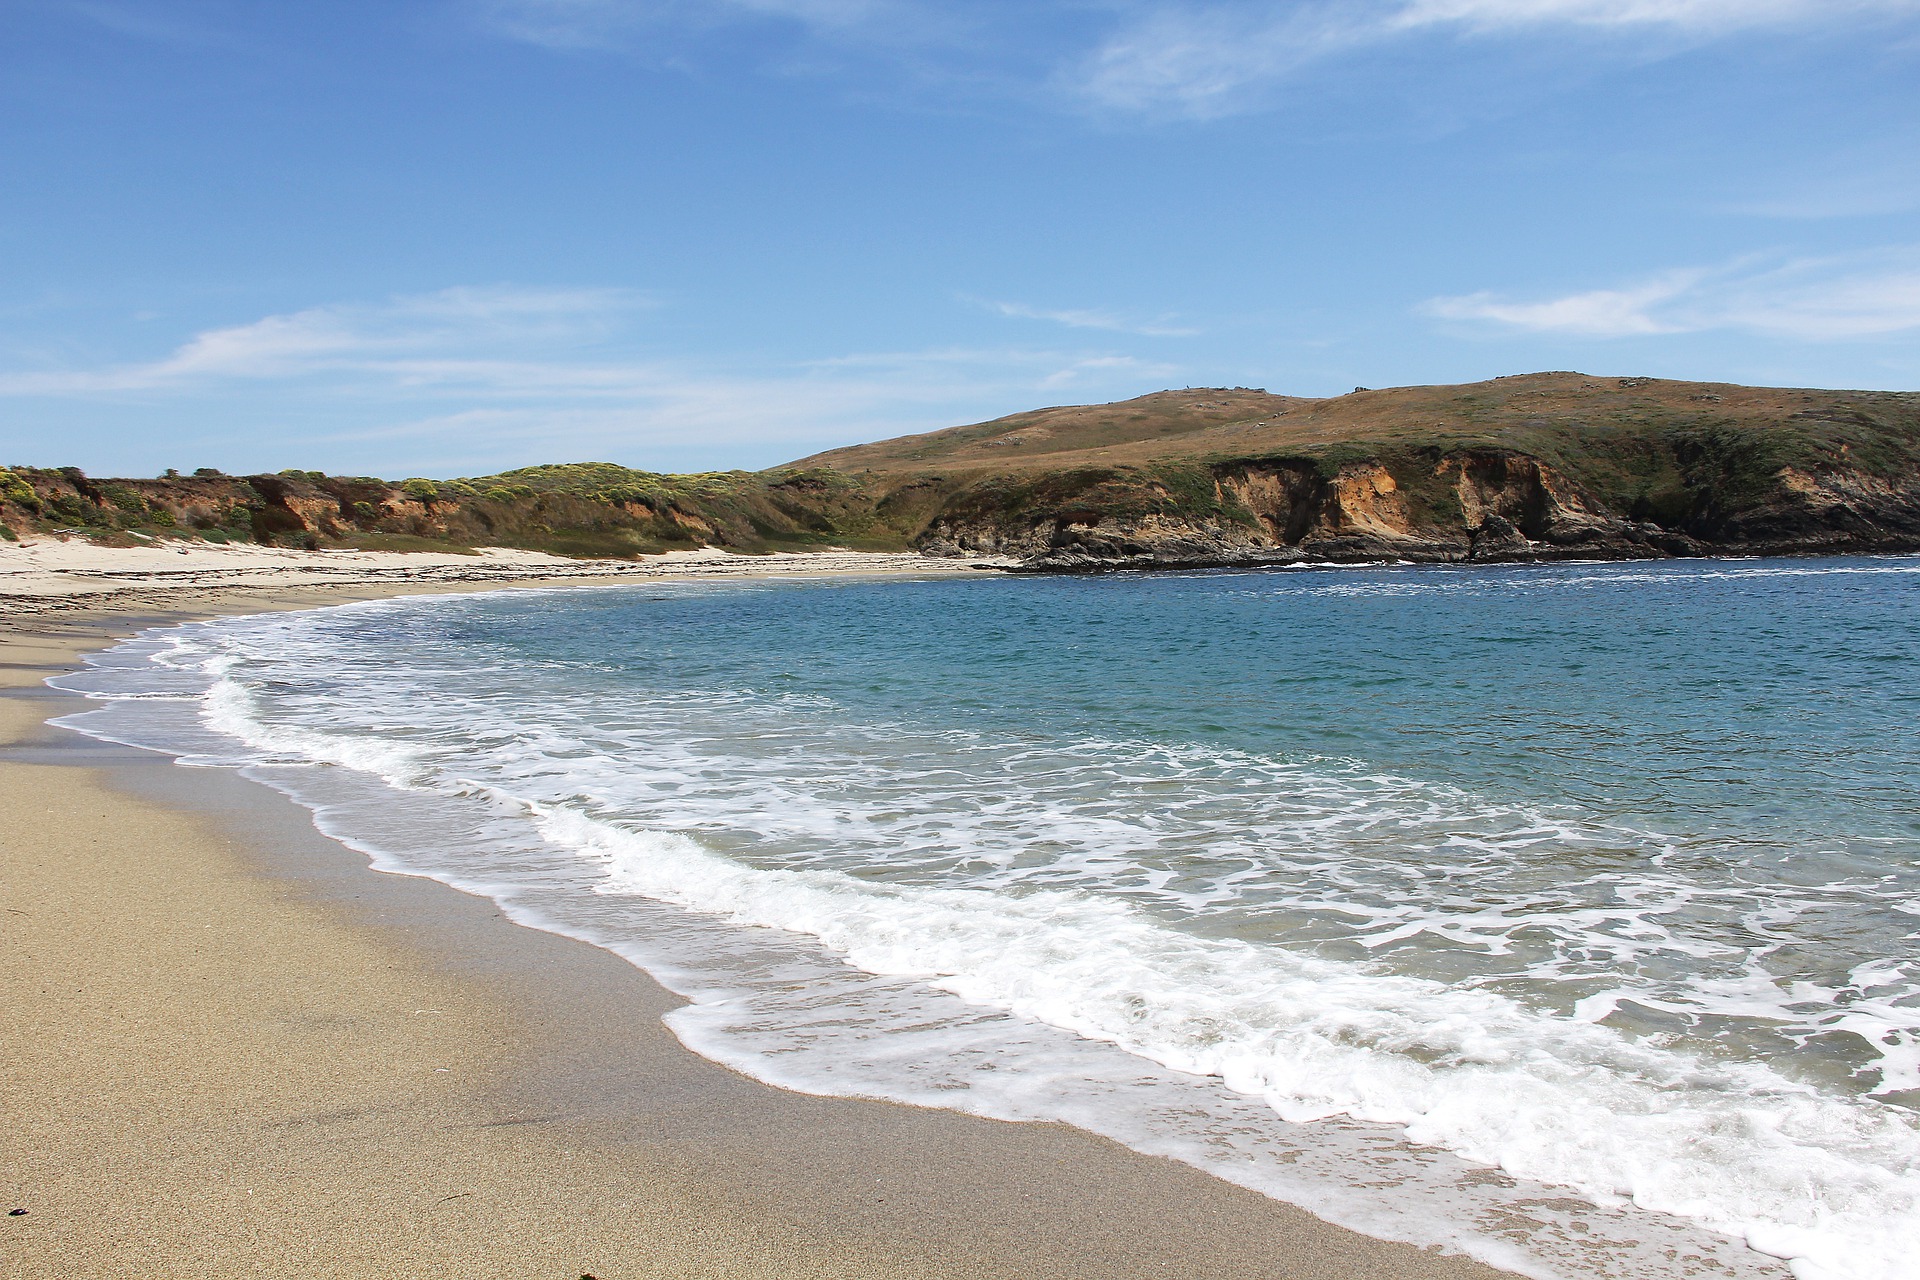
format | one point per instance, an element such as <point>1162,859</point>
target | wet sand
<point>232,1049</point>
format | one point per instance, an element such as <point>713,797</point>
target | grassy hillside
<point>1537,466</point>
<point>1576,418</point>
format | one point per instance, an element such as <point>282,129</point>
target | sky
<point>450,237</point>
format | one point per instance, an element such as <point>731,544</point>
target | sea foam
<point>958,919</point>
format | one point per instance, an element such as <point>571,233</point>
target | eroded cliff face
<point>586,510</point>
<point>1471,505</point>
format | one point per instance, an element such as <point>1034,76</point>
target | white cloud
<point>1857,297</point>
<point>481,377</point>
<point>406,338</point>
<point>1705,15</point>
<point>1087,318</point>
<point>669,416</point>
<point>1192,58</point>
<point>625,24</point>
<point>1601,313</point>
<point>1807,300</point>
<point>1200,63</point>
<point>1209,60</point>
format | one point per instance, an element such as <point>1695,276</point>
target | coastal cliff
<point>586,510</point>
<point>1536,467</point>
<point>1430,505</point>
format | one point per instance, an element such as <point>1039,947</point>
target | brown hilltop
<point>1204,422</point>
<point>1156,425</point>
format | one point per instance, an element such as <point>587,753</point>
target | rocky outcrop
<point>1468,506</point>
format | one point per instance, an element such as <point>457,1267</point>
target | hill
<point>1540,466</point>
<point>1527,412</point>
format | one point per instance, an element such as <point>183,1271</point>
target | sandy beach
<point>41,576</point>
<point>232,1049</point>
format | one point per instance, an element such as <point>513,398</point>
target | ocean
<point>1567,916</point>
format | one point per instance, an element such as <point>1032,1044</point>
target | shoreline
<point>54,577</point>
<point>340,1071</point>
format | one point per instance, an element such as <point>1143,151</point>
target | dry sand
<point>47,575</point>
<point>231,1049</point>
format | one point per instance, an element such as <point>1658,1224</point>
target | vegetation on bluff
<point>584,509</point>
<point>1541,465</point>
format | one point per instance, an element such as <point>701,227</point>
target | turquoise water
<point>1607,876</point>
<point>1749,730</point>
<point>1760,697</point>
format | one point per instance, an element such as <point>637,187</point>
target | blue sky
<point>448,237</point>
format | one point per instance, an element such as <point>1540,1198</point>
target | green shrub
<point>214,535</point>
<point>425,490</point>
<point>16,490</point>
<point>622,494</point>
<point>70,509</point>
<point>124,498</point>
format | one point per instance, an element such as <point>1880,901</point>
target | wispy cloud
<point>1832,299</point>
<point>626,25</point>
<point>672,415</point>
<point>1205,60</point>
<point>450,336</point>
<point>1191,58</point>
<point>475,376</point>
<point>948,375</point>
<point>1704,15</point>
<point>1598,313</point>
<point>1087,318</point>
